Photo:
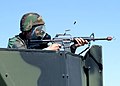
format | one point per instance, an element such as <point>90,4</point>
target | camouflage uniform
<point>17,42</point>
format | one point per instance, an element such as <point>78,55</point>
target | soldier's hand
<point>54,47</point>
<point>80,42</point>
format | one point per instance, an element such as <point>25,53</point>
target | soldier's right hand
<point>54,47</point>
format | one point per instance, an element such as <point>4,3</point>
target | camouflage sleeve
<point>16,43</point>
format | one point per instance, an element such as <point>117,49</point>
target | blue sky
<point>101,17</point>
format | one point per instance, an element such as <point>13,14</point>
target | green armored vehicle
<point>34,67</point>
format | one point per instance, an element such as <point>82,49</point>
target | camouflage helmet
<point>29,20</point>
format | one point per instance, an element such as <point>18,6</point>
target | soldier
<point>32,26</point>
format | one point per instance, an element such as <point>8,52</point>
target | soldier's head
<point>32,25</point>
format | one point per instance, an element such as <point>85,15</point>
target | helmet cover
<point>29,20</point>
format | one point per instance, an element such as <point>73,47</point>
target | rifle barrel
<point>94,39</point>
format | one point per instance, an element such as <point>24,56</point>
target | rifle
<point>65,40</point>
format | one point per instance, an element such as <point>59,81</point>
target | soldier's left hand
<point>80,42</point>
